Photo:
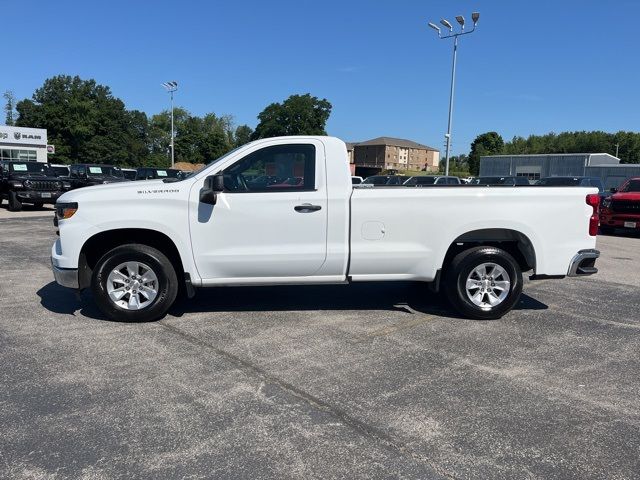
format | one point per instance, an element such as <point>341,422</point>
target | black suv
<point>492,181</point>
<point>147,173</point>
<point>86,175</point>
<point>29,182</point>
<point>574,182</point>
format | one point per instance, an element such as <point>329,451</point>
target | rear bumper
<point>583,264</point>
<point>67,277</point>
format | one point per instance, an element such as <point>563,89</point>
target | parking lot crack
<point>369,431</point>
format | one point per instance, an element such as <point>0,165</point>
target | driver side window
<point>280,168</point>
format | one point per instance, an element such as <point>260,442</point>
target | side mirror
<point>614,190</point>
<point>213,185</point>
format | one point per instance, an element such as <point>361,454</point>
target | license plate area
<point>45,195</point>
<point>630,224</point>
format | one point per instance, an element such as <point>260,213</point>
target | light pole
<point>475,16</point>
<point>171,87</point>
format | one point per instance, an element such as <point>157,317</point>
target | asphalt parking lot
<point>360,381</point>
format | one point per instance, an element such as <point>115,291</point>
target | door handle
<point>307,208</point>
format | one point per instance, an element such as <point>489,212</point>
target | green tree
<point>242,135</point>
<point>579,142</point>
<point>198,139</point>
<point>159,136</point>
<point>489,143</point>
<point>457,163</point>
<point>138,138</point>
<point>84,121</point>
<point>297,115</point>
<point>9,107</point>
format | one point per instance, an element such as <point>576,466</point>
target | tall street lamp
<point>475,16</point>
<point>171,87</point>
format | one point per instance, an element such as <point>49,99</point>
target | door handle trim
<point>307,208</point>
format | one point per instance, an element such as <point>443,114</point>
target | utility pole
<point>475,16</point>
<point>172,87</point>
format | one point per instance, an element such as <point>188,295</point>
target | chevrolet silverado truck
<point>622,208</point>
<point>29,182</point>
<point>135,245</point>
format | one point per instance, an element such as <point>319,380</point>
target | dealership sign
<point>23,135</point>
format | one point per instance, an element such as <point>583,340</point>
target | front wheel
<point>134,283</point>
<point>483,282</point>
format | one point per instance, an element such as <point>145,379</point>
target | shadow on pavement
<point>63,300</point>
<point>391,296</point>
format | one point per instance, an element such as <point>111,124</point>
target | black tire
<point>463,264</point>
<point>607,230</point>
<point>15,205</point>
<point>167,287</point>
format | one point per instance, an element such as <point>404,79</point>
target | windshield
<point>104,171</point>
<point>491,181</point>
<point>376,180</point>
<point>632,186</point>
<point>421,181</point>
<point>58,171</point>
<point>168,173</point>
<point>28,167</point>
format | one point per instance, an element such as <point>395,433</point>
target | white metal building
<point>24,144</point>
<point>607,167</point>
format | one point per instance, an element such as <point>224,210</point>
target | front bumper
<point>583,264</point>
<point>36,196</point>
<point>620,220</point>
<point>67,277</point>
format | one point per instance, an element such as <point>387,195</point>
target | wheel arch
<point>100,243</point>
<point>516,243</point>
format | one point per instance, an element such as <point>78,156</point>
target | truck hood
<point>629,196</point>
<point>114,190</point>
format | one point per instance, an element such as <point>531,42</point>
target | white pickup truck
<point>284,211</point>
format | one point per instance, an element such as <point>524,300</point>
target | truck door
<point>271,220</point>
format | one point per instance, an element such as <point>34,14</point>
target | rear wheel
<point>15,205</point>
<point>483,282</point>
<point>134,283</point>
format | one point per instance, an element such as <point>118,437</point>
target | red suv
<point>622,209</point>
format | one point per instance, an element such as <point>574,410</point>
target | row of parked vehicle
<point>428,180</point>
<point>39,183</point>
<point>619,207</point>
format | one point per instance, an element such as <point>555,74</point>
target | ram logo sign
<point>24,135</point>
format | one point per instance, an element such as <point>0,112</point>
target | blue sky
<point>530,67</point>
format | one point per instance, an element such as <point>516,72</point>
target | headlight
<point>17,185</point>
<point>606,203</point>
<point>66,210</point>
